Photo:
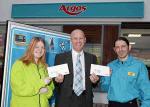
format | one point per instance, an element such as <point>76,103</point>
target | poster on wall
<point>18,38</point>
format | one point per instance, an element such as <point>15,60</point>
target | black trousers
<point>79,101</point>
<point>132,103</point>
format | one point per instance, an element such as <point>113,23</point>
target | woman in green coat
<point>30,84</point>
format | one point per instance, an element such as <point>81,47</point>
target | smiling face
<point>39,50</point>
<point>122,49</point>
<point>78,40</point>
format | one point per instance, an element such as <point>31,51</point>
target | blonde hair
<point>29,56</point>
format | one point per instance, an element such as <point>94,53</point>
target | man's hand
<point>59,78</point>
<point>94,78</point>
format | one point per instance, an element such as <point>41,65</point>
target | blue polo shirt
<point>129,80</point>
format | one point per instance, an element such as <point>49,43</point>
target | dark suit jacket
<point>64,90</point>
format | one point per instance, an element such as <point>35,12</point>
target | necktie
<point>78,83</point>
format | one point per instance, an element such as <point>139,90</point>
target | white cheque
<point>58,69</point>
<point>100,70</point>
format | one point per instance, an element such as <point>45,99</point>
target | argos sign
<point>79,10</point>
<point>73,9</point>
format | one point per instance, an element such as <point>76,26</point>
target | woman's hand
<point>43,90</point>
<point>47,80</point>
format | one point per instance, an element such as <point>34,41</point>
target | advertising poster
<point>18,38</point>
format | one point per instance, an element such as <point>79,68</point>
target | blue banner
<point>18,38</point>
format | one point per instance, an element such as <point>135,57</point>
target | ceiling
<point>142,28</point>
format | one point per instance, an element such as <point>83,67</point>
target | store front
<point>102,23</point>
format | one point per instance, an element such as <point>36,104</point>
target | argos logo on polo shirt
<point>72,10</point>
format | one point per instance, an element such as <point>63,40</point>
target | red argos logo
<point>72,10</point>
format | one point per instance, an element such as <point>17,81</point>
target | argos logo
<point>72,10</point>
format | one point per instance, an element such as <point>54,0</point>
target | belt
<point>128,102</point>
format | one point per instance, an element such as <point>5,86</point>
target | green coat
<point>26,83</point>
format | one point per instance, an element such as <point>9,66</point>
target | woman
<point>31,86</point>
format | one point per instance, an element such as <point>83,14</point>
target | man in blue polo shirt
<point>129,79</point>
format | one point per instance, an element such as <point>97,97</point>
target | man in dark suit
<point>66,94</point>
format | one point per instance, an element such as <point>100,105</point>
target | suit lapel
<point>70,63</point>
<point>87,62</point>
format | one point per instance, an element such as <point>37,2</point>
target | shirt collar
<point>127,61</point>
<point>76,53</point>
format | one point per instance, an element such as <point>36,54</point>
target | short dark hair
<point>123,39</point>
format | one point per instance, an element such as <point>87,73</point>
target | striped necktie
<point>78,83</point>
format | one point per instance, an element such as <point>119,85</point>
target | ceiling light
<point>134,35</point>
<point>132,43</point>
